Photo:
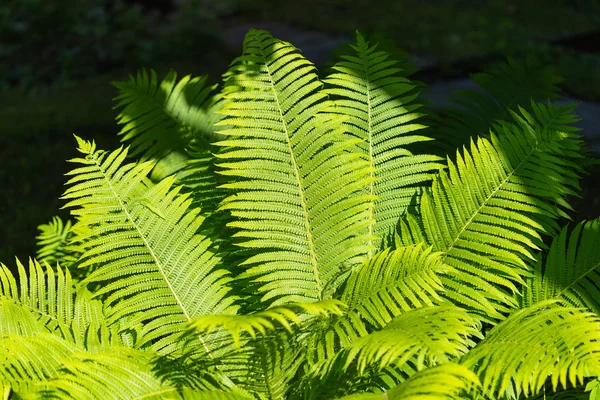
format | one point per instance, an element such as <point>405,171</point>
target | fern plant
<point>286,237</point>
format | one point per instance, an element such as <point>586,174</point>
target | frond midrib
<point>372,160</point>
<point>504,181</point>
<point>583,275</point>
<point>483,204</point>
<point>152,253</point>
<point>384,289</point>
<point>141,235</point>
<point>296,170</point>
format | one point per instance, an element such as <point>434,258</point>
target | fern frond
<point>486,214</point>
<point>118,373</point>
<point>370,88</point>
<point>269,366</point>
<point>570,270</point>
<point>30,359</point>
<point>503,88</point>
<point>393,282</point>
<point>424,337</point>
<point>542,341</point>
<point>264,321</point>
<point>160,117</point>
<point>53,243</point>
<point>445,382</point>
<point>145,240</point>
<point>431,334</point>
<point>297,182</point>
<point>41,301</point>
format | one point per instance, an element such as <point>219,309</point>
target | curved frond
<point>445,382</point>
<point>487,212</point>
<point>160,117</point>
<point>53,243</point>
<point>542,341</point>
<point>393,282</point>
<point>119,373</point>
<point>412,341</point>
<point>570,270</point>
<point>296,181</point>
<point>173,122</point>
<point>383,287</point>
<point>264,321</point>
<point>41,301</point>
<point>433,335</point>
<point>158,270</point>
<point>270,364</point>
<point>371,90</point>
<point>34,359</point>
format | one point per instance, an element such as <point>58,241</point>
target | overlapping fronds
<point>30,359</point>
<point>160,117</point>
<point>297,183</point>
<point>392,282</point>
<point>487,212</point>
<point>93,376</point>
<point>268,365</point>
<point>441,332</point>
<point>371,90</point>
<point>501,89</point>
<point>41,301</point>
<point>383,287</point>
<point>431,334</point>
<point>157,269</point>
<point>570,270</point>
<point>36,363</point>
<point>543,341</point>
<point>172,121</point>
<point>445,382</point>
<point>265,321</point>
<point>53,243</point>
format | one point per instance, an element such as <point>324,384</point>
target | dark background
<point>57,58</point>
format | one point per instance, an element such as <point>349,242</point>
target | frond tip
<point>159,253</point>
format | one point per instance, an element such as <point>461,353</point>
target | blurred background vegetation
<point>57,58</point>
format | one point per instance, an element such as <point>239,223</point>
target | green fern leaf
<point>370,89</point>
<point>92,376</point>
<point>267,320</point>
<point>160,117</point>
<point>487,212</point>
<point>445,382</point>
<point>144,253</point>
<point>34,359</point>
<point>418,338</point>
<point>53,243</point>
<point>42,301</point>
<point>543,341</point>
<point>571,269</point>
<point>393,282</point>
<point>296,181</point>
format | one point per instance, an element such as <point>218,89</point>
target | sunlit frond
<point>158,270</point>
<point>570,271</point>
<point>370,89</point>
<point>543,341</point>
<point>487,213</point>
<point>296,182</point>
